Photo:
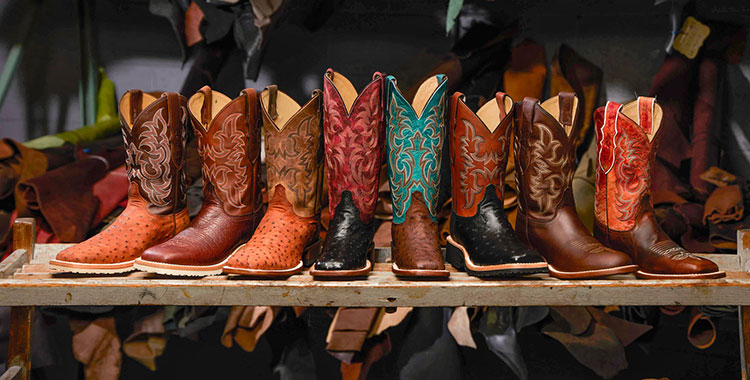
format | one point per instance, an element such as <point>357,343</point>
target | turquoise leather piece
<point>414,146</point>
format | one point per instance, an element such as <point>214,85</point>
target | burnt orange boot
<point>627,137</point>
<point>154,133</point>
<point>288,235</point>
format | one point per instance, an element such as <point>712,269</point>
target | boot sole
<point>311,252</point>
<point>596,273</point>
<point>179,269</point>
<point>84,268</point>
<point>420,273</point>
<point>456,255</point>
<point>689,276</point>
<point>346,273</point>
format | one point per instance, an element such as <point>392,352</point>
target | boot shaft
<point>626,138</point>
<point>545,153</point>
<point>353,131</point>
<point>415,136</point>
<point>479,145</point>
<point>294,149</point>
<point>229,145</point>
<point>153,128</point>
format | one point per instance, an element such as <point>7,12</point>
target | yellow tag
<point>691,37</point>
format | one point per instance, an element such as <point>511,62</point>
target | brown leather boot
<point>547,220</point>
<point>154,133</point>
<point>288,236</point>
<point>627,137</point>
<point>229,145</point>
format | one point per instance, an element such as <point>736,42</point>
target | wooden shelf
<point>26,281</point>
<point>36,283</point>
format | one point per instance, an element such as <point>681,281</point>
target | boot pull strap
<point>566,101</point>
<point>136,102</point>
<point>273,92</point>
<point>455,98</point>
<point>251,105</point>
<point>207,106</point>
<point>606,157</point>
<point>646,113</point>
<point>500,99</point>
<point>527,109</point>
<point>173,110</point>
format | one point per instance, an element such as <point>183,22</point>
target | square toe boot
<point>288,236</point>
<point>229,146</point>
<point>353,133</point>
<point>627,137</point>
<point>547,219</point>
<point>414,144</point>
<point>482,241</point>
<point>153,127</point>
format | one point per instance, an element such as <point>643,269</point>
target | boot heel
<point>454,256</point>
<point>311,253</point>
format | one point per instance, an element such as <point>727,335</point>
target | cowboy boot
<point>482,241</point>
<point>154,133</point>
<point>627,137</point>
<point>288,236</point>
<point>353,133</point>
<point>547,219</point>
<point>229,145</point>
<point>415,135</point>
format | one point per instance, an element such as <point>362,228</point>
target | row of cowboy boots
<point>350,132</point>
<point>627,237</point>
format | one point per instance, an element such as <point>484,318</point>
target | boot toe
<point>429,265</point>
<point>331,265</point>
<point>697,265</point>
<point>161,254</point>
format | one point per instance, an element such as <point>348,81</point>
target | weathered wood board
<point>37,284</point>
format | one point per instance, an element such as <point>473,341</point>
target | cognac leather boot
<point>414,145</point>
<point>482,241</point>
<point>353,134</point>
<point>229,145</point>
<point>153,127</point>
<point>627,137</point>
<point>547,219</point>
<point>289,234</point>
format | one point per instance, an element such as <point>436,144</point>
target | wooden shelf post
<point>19,347</point>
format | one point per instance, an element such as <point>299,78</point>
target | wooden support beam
<point>19,346</point>
<point>744,340</point>
<point>743,252</point>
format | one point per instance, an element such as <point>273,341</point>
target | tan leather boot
<point>153,127</point>
<point>288,236</point>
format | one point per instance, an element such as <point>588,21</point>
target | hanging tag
<point>691,37</point>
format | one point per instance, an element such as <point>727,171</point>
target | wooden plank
<point>743,249</point>
<point>11,373</point>
<point>13,262</point>
<point>19,348</point>
<point>19,345</point>
<point>380,289</point>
